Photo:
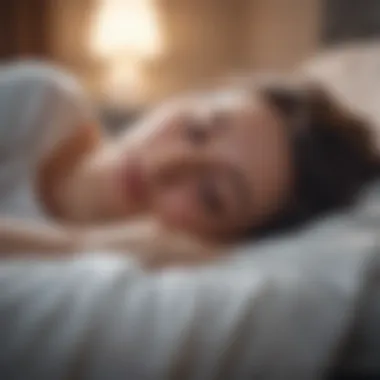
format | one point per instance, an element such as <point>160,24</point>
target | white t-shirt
<point>39,105</point>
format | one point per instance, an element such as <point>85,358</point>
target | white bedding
<point>284,309</point>
<point>281,310</point>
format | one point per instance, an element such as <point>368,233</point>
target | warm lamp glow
<point>123,83</point>
<point>126,27</point>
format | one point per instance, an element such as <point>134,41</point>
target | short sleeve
<point>39,104</point>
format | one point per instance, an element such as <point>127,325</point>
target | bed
<point>300,306</point>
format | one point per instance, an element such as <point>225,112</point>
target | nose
<point>177,165</point>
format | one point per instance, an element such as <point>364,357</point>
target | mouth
<point>135,183</point>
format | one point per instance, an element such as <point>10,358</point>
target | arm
<point>19,238</point>
<point>150,243</point>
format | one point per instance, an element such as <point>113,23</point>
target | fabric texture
<point>39,106</point>
<point>281,310</point>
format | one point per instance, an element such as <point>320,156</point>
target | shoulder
<point>40,74</point>
<point>39,103</point>
<point>35,86</point>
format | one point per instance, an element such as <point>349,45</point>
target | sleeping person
<point>187,181</point>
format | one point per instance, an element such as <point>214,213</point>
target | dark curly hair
<point>334,154</point>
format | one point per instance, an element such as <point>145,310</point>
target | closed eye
<point>195,132</point>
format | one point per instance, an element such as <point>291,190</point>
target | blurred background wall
<point>137,52</point>
<point>141,51</point>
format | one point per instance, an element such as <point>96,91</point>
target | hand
<point>176,249</point>
<point>153,245</point>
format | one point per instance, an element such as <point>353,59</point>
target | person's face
<point>211,165</point>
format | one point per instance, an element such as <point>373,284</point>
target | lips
<point>135,181</point>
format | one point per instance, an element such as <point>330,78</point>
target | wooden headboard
<point>350,20</point>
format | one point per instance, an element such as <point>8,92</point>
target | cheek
<point>177,207</point>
